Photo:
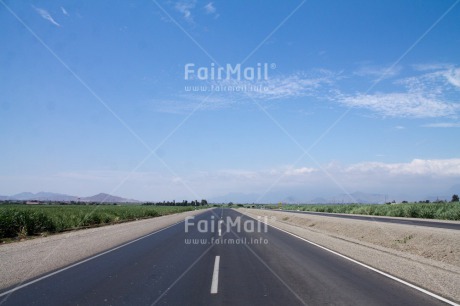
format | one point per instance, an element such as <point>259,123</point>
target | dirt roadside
<point>28,259</point>
<point>426,257</point>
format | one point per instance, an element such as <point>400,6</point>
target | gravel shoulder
<point>28,259</point>
<point>426,257</point>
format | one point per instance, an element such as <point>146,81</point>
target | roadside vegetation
<point>20,221</point>
<point>443,211</point>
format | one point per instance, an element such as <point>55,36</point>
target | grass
<point>442,211</point>
<point>20,221</point>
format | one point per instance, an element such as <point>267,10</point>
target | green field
<point>443,211</point>
<point>19,221</point>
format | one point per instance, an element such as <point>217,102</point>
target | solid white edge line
<point>215,276</point>
<point>371,268</point>
<point>85,260</point>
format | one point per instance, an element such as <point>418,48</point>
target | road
<point>423,222</point>
<point>166,269</point>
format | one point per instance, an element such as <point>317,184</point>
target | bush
<point>445,211</point>
<point>13,222</point>
<point>24,220</point>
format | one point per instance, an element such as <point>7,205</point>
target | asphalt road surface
<point>264,267</point>
<point>424,222</point>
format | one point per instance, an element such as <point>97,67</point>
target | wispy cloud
<point>443,125</point>
<point>453,76</point>
<point>296,85</point>
<point>300,171</point>
<point>432,66</point>
<point>417,167</point>
<point>45,15</point>
<point>406,105</point>
<point>427,95</point>
<point>185,8</point>
<point>418,177</point>
<point>210,9</point>
<point>64,11</point>
<point>434,93</point>
<point>234,93</point>
<point>436,81</point>
<point>434,167</point>
<point>378,72</point>
<point>282,86</point>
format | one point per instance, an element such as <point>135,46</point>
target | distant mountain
<point>437,198</point>
<point>106,198</point>
<point>455,189</point>
<point>58,197</point>
<point>235,197</point>
<point>446,195</point>
<point>23,196</point>
<point>319,200</point>
<point>43,196</point>
<point>366,198</point>
<point>290,199</point>
<point>355,197</point>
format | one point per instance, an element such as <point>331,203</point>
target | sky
<point>314,99</point>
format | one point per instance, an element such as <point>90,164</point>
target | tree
<point>455,198</point>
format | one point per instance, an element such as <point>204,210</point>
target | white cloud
<point>443,125</point>
<point>416,167</point>
<point>294,85</point>
<point>64,11</point>
<point>378,72</point>
<point>299,171</point>
<point>429,95</point>
<point>185,8</point>
<point>210,8</point>
<point>435,82</point>
<point>373,171</point>
<point>432,94</point>
<point>432,66</point>
<point>423,167</point>
<point>453,76</point>
<point>417,178</point>
<point>282,86</point>
<point>409,105</point>
<point>45,15</point>
<point>220,94</point>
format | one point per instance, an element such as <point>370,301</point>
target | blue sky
<point>359,96</point>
